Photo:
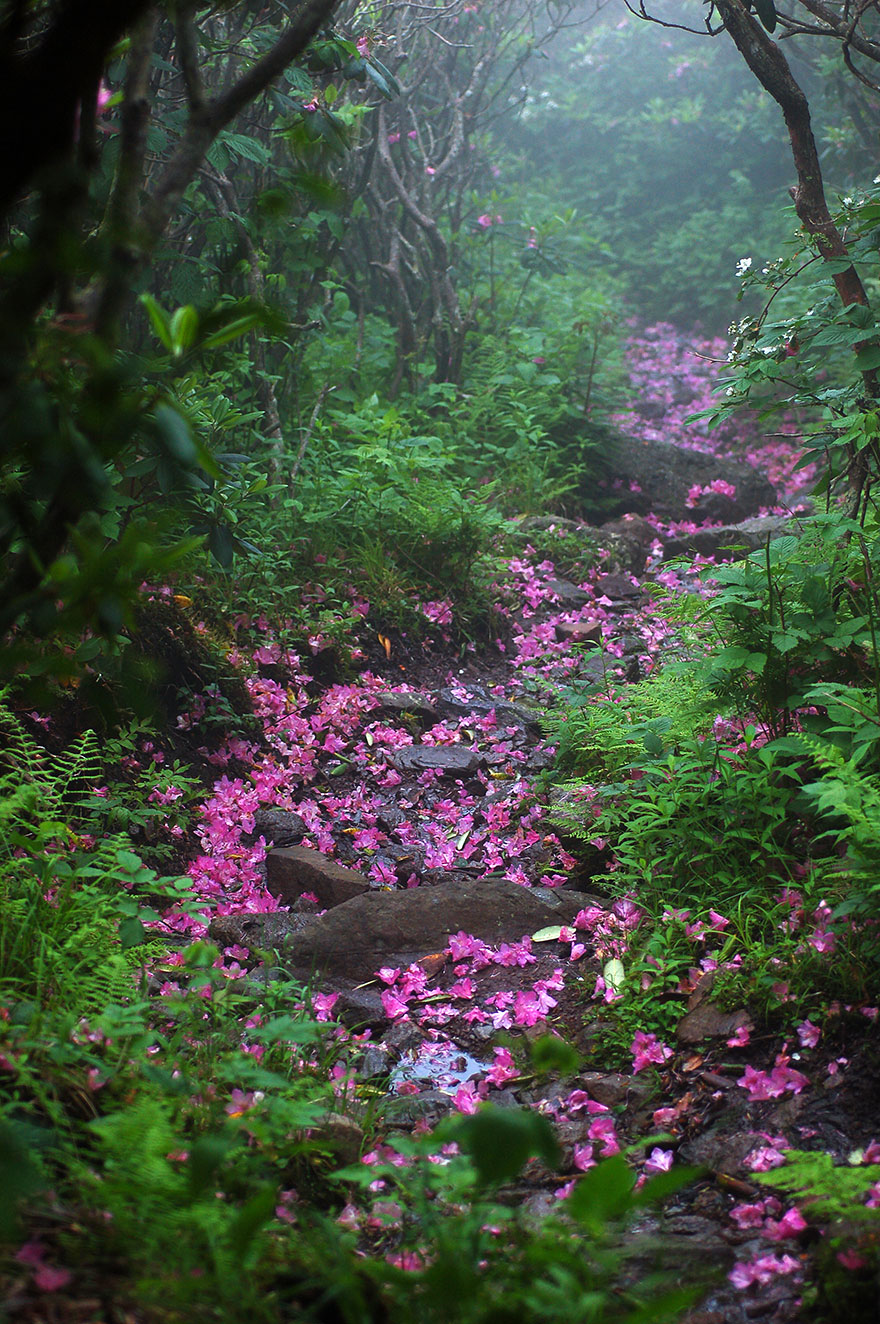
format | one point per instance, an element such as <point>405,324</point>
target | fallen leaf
<point>552,933</point>
<point>614,974</point>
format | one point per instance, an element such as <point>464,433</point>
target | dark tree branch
<point>42,89</point>
<point>206,123</point>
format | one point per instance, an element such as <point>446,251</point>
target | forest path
<point>428,778</point>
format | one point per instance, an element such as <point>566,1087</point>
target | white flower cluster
<point>743,265</point>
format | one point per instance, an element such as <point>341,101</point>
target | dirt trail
<point>426,779</point>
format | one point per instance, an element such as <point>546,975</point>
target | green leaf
<point>158,320</point>
<point>20,1176</point>
<point>183,328</point>
<point>131,933</point>
<point>239,327</point>
<point>250,1219</point>
<point>868,358</point>
<point>222,544</point>
<point>614,974</point>
<point>604,1193</point>
<point>551,934</point>
<point>500,1141</point>
<point>206,1157</point>
<point>250,148</point>
<point>550,1053</point>
<point>175,435</point>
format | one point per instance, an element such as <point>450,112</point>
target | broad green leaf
<point>176,435</point>
<point>868,358</point>
<point>158,320</point>
<point>250,148</point>
<point>499,1141</point>
<point>131,933</point>
<point>231,331</point>
<point>222,544</point>
<point>183,329</point>
<point>603,1193</point>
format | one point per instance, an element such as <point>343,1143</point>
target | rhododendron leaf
<point>550,1053</point>
<point>665,1183</point>
<point>766,12</point>
<point>552,933</point>
<point>500,1141</point>
<point>605,1192</point>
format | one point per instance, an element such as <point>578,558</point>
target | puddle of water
<point>442,1066</point>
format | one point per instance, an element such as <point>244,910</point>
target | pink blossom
<point>808,1034</point>
<point>363,45</point>
<point>322,1005</point>
<point>659,1160</point>
<point>789,1225</point>
<point>647,1050</point>
<point>749,1215</point>
<point>466,1098</point>
<point>603,1130</point>
<point>503,1068</point>
<point>48,1279</point>
<point>583,1157</point>
<point>851,1259</point>
<point>764,1158</point>
<point>394,1006</point>
<point>762,1270</point>
<point>773,1084</point>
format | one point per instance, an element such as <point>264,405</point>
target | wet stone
<point>281,827</point>
<point>292,870</point>
<point>579,632</point>
<point>569,595</point>
<point>479,703</point>
<point>617,586</point>
<point>401,704</point>
<point>389,818</point>
<point>407,1109</point>
<point>450,760</point>
<point>376,1061</point>
<point>397,928</point>
<point>270,932</point>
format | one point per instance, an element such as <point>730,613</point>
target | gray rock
<point>451,760</point>
<point>480,704</point>
<point>292,870</point>
<point>666,473</point>
<point>396,928</point>
<point>579,632</point>
<point>268,932</point>
<point>280,826</point>
<point>620,544</point>
<point>570,596</point>
<point>399,704</point>
<point>375,1061</point>
<point>734,540</point>
<point>617,587</point>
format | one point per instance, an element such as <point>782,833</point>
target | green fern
<point>601,737</point>
<point>828,1191</point>
<point>54,777</point>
